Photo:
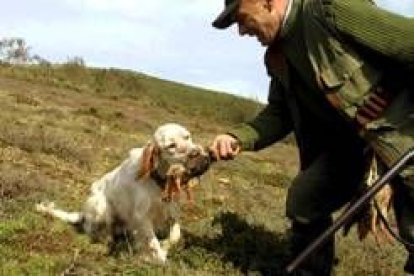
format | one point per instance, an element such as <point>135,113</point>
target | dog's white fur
<point>128,199</point>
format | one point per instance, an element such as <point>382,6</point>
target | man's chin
<point>264,43</point>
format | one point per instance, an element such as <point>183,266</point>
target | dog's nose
<point>194,153</point>
<point>198,165</point>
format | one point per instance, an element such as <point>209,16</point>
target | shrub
<point>47,140</point>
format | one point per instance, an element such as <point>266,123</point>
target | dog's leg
<point>121,237</point>
<point>173,237</point>
<point>175,230</point>
<point>50,209</point>
<point>157,252</point>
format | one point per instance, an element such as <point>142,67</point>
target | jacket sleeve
<point>270,125</point>
<point>386,33</point>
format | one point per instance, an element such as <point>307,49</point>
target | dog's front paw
<point>173,238</point>
<point>45,207</point>
<point>157,253</point>
<point>166,244</point>
<point>161,256</point>
<point>157,258</point>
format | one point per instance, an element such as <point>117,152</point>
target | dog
<point>140,195</point>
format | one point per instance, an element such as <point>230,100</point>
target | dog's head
<point>170,148</point>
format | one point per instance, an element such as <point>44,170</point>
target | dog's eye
<point>187,137</point>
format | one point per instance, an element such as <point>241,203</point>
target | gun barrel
<point>375,188</point>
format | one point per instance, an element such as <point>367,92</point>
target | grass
<point>63,126</point>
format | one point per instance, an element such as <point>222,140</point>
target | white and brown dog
<point>136,197</point>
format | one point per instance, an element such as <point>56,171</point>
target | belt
<point>371,109</point>
<point>373,106</point>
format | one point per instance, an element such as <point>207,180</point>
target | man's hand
<point>225,147</point>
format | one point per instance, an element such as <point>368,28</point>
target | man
<point>341,79</point>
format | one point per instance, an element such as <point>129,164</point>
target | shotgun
<point>351,211</point>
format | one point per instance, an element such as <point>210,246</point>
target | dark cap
<point>228,15</point>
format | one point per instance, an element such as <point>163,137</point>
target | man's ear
<point>267,4</point>
<point>148,160</point>
<point>248,6</point>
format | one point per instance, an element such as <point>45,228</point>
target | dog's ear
<point>148,160</point>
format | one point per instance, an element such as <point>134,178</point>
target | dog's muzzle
<point>197,164</point>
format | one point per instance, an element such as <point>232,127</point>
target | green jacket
<point>328,46</point>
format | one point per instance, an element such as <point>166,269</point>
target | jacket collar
<point>290,18</point>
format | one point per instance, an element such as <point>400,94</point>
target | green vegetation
<point>62,126</point>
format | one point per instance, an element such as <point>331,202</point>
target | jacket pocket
<point>350,78</point>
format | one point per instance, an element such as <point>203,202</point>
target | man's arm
<point>386,33</point>
<point>270,125</point>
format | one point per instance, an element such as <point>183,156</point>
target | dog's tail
<point>74,218</point>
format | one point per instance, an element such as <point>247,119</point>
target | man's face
<point>257,18</point>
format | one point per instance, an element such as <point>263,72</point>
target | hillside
<point>61,127</point>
